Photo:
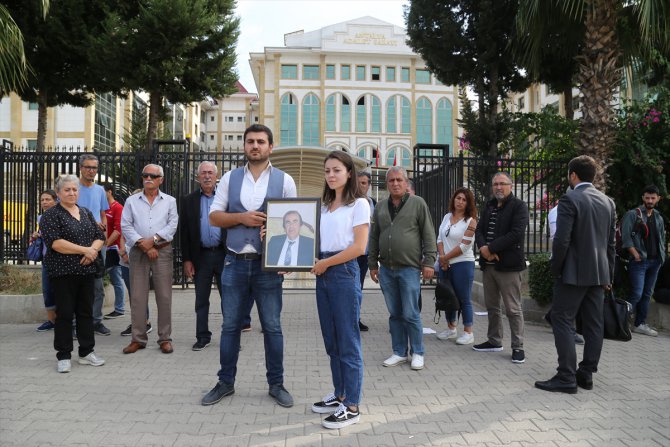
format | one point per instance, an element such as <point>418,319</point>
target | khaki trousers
<point>503,288</point>
<point>160,270</point>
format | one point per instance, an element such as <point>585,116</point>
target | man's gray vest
<point>239,236</point>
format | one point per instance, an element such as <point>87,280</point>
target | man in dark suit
<point>292,248</point>
<point>203,248</point>
<point>582,261</point>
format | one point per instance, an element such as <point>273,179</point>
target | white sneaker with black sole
<point>328,405</point>
<point>342,417</point>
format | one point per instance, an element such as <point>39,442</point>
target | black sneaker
<point>328,405</point>
<point>487,347</point>
<point>100,329</point>
<point>518,356</point>
<point>200,345</point>
<point>112,315</point>
<point>127,332</point>
<point>362,327</point>
<point>342,417</point>
<point>217,393</point>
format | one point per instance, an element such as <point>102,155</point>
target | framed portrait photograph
<point>291,241</point>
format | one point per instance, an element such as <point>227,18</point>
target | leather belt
<point>245,256</point>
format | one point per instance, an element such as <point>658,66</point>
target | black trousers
<point>209,265</point>
<point>74,297</point>
<point>569,301</point>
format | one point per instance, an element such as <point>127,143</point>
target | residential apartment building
<point>354,86</point>
<point>102,125</point>
<point>223,120</point>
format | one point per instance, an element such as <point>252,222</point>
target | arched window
<point>363,152</point>
<point>289,120</point>
<point>391,115</point>
<point>361,115</point>
<point>403,157</point>
<point>444,124</point>
<point>345,115</point>
<point>375,114</point>
<point>405,116</point>
<point>331,113</point>
<point>311,134</point>
<point>424,121</point>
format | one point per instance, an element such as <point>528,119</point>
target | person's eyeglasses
<point>446,234</point>
<point>496,185</point>
<point>153,176</point>
<point>90,168</point>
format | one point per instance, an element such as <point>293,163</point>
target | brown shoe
<point>133,347</point>
<point>166,347</point>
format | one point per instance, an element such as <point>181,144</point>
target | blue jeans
<point>209,265</point>
<point>119,290</point>
<point>98,294</point>
<point>461,275</point>
<point>240,280</point>
<point>338,301</point>
<point>642,275</point>
<point>401,288</point>
<point>47,291</point>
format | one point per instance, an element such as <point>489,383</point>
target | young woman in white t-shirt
<point>456,259</point>
<point>345,215</point>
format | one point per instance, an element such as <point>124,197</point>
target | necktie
<point>287,256</point>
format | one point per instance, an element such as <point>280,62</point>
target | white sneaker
<point>466,338</point>
<point>64,366</point>
<point>394,360</point>
<point>92,360</point>
<point>417,362</point>
<point>645,329</point>
<point>448,334</point>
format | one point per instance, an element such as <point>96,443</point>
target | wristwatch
<point>156,239</point>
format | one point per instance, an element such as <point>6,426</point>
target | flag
<point>377,158</point>
<point>395,158</point>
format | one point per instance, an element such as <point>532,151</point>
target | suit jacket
<point>510,233</point>
<point>305,250</point>
<point>583,247</point>
<point>189,228</point>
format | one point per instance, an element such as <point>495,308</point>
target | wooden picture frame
<point>291,219</point>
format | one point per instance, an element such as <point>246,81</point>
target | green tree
<point>467,43</point>
<point>608,26</point>
<point>60,51</point>
<point>13,64</point>
<point>176,50</point>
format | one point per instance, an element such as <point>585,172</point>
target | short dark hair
<point>109,187</point>
<point>288,213</point>
<point>51,192</point>
<point>365,174</point>
<point>651,189</point>
<point>259,128</point>
<point>84,157</point>
<point>584,166</point>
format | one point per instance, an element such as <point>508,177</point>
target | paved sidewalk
<point>461,398</point>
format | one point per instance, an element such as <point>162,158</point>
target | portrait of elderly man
<point>292,248</point>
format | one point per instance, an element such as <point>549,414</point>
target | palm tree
<point>13,65</point>
<point>601,57</point>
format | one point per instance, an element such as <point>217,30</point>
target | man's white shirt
<point>294,252</point>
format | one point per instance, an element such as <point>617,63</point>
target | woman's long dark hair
<point>350,192</point>
<point>470,207</point>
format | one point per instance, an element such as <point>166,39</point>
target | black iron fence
<point>25,174</point>
<point>436,176</point>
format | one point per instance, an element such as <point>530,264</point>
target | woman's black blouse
<point>58,223</point>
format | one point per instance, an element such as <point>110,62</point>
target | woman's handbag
<point>616,314</point>
<point>35,248</point>
<point>99,264</point>
<point>445,298</point>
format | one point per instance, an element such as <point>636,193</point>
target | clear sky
<point>264,22</point>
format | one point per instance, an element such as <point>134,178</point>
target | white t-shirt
<point>454,239</point>
<point>337,228</point>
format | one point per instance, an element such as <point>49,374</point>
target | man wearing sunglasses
<point>149,222</point>
<point>93,197</point>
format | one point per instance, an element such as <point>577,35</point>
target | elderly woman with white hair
<point>73,240</point>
